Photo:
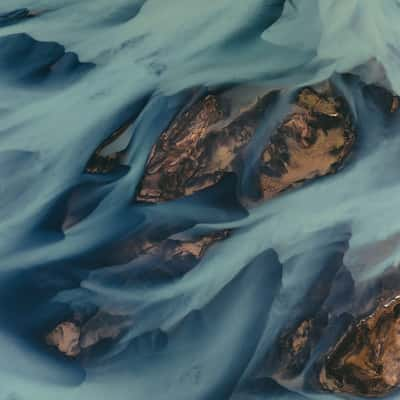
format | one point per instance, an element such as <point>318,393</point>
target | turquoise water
<point>205,335</point>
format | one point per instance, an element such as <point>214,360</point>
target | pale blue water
<point>203,336</point>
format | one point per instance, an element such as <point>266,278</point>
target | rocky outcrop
<point>204,143</point>
<point>65,336</point>
<point>385,100</point>
<point>173,258</point>
<point>103,160</point>
<point>312,141</point>
<point>365,361</point>
<point>199,147</point>
<point>294,349</point>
